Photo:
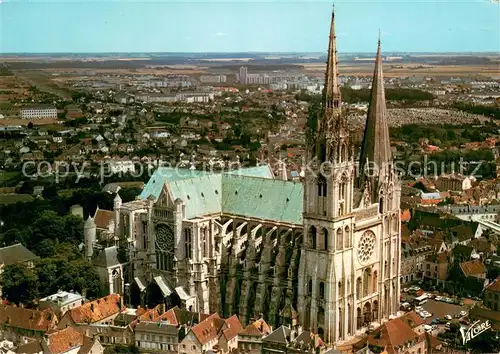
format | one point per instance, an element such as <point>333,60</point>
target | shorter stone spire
<point>376,146</point>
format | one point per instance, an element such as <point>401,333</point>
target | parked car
<point>463,313</point>
<point>448,317</point>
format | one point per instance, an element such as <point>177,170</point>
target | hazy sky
<point>237,26</point>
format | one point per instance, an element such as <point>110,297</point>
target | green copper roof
<point>250,192</point>
<point>170,174</point>
<point>259,171</point>
<point>262,198</point>
<point>201,195</point>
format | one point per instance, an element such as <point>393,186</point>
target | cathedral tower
<point>349,263</point>
<point>324,274</point>
<point>379,184</point>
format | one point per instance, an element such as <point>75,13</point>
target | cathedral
<point>323,253</point>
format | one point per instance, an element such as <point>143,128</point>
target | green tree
<point>121,349</point>
<point>19,284</point>
<point>46,248</point>
<point>47,271</point>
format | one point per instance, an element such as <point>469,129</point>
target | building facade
<point>323,253</point>
<point>39,112</point>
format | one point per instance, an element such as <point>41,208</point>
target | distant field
<point>14,198</point>
<point>23,122</point>
<point>148,70</point>
<point>12,87</point>
<point>396,70</point>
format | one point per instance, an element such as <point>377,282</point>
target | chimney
<point>92,307</point>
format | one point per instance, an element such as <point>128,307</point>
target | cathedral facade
<point>323,253</point>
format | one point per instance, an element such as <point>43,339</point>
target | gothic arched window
<point>343,189</point>
<point>321,290</point>
<point>322,152</point>
<point>325,239</point>
<point>312,237</point>
<point>340,239</point>
<point>395,222</point>
<point>322,186</point>
<point>367,281</point>
<point>310,287</point>
<point>188,243</point>
<point>347,237</point>
<point>375,280</point>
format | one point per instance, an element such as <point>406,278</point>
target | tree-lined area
<point>56,236</point>
<point>356,96</point>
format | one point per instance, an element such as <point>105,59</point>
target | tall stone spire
<point>331,128</point>
<point>331,92</point>
<point>376,147</point>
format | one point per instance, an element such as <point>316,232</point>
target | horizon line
<point>257,52</point>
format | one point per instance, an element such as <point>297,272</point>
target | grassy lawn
<point>5,176</point>
<point>14,198</point>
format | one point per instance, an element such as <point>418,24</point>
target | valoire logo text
<point>474,330</point>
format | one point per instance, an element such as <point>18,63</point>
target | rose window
<point>366,246</point>
<point>165,238</point>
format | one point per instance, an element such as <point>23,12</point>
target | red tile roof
<point>258,328</point>
<point>152,315</point>
<point>393,334</point>
<point>14,316</point>
<point>405,215</point>
<point>102,218</point>
<point>251,330</point>
<point>64,340</point>
<point>97,310</point>
<point>412,319</point>
<point>234,327</point>
<point>494,286</point>
<point>207,330</point>
<point>472,268</point>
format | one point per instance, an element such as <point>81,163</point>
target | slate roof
<point>107,257</point>
<point>206,193</point>
<point>156,327</point>
<point>15,254</point>
<point>463,250</point>
<point>280,335</point>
